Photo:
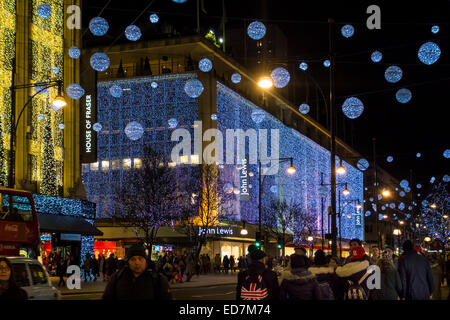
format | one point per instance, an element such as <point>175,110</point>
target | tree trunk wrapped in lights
<point>49,184</point>
<point>3,156</point>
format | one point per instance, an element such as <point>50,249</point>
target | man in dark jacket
<point>136,282</point>
<point>415,273</point>
<point>258,268</point>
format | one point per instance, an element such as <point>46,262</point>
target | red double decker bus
<point>19,226</point>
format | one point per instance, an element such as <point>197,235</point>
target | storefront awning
<point>66,224</point>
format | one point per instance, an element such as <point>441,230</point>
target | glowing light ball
<point>55,70</point>
<point>304,108</point>
<point>380,197</point>
<point>133,33</point>
<point>393,74</point>
<point>134,130</point>
<point>214,116</point>
<point>368,213</point>
<point>402,193</point>
<point>193,88</point>
<point>435,29</point>
<point>446,178</point>
<point>376,56</point>
<point>97,127</point>
<point>41,117</point>
<point>374,207</point>
<point>274,189</point>
<point>429,53</point>
<point>326,63</point>
<point>352,107</point>
<point>432,179</point>
<point>380,216</point>
<point>383,208</point>
<point>75,91</point>
<point>347,31</point>
<point>401,206</point>
<point>154,18</point>
<point>228,188</point>
<point>392,205</point>
<point>425,203</point>
<point>258,115</point>
<point>235,78</point>
<point>371,199</point>
<point>404,183</point>
<point>403,95</point>
<point>418,194</point>
<point>363,164</point>
<point>62,126</point>
<point>280,77</point>
<point>256,30</point>
<point>173,122</point>
<point>418,154</point>
<point>179,1</point>
<point>447,154</point>
<point>74,52</point>
<point>419,186</point>
<point>396,189</point>
<point>98,26</point>
<point>407,189</point>
<point>409,208</point>
<point>154,85</point>
<point>390,159</point>
<point>205,65</point>
<point>99,61</point>
<point>115,91</point>
<point>303,66</point>
<point>44,11</point>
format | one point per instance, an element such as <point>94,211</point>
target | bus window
<point>15,208</point>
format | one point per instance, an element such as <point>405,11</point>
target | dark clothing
<point>352,272</point>
<point>391,285</point>
<point>111,266</point>
<point>416,276</point>
<point>299,284</point>
<point>14,293</point>
<point>148,286</point>
<point>327,274</point>
<point>269,278</point>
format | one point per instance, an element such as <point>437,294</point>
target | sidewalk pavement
<point>99,286</point>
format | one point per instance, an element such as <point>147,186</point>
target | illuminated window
<point>183,159</point>
<point>94,166</point>
<point>172,164</point>
<point>105,165</point>
<point>115,164</point>
<point>127,163</point>
<point>195,159</point>
<point>137,163</point>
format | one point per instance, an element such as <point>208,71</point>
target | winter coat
<point>217,261</point>
<point>111,265</point>
<point>436,270</point>
<point>226,262</point>
<point>232,262</point>
<point>391,285</point>
<point>327,274</point>
<point>269,278</point>
<point>61,269</point>
<point>416,276</point>
<point>353,271</point>
<point>299,284</point>
<point>14,293</point>
<point>124,286</point>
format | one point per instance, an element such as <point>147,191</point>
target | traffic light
<point>258,239</point>
<point>280,243</point>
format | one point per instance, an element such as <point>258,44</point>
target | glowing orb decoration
<point>409,208</point>
<point>383,208</point>
<point>154,85</point>
<point>429,53</point>
<point>134,130</point>
<point>228,188</point>
<point>368,213</point>
<point>390,159</point>
<point>173,122</point>
<point>97,127</point>
<point>348,30</point>
<point>99,61</point>
<point>280,77</point>
<point>380,197</point>
<point>418,154</point>
<point>55,70</point>
<point>256,30</point>
<point>425,203</point>
<point>205,65</point>
<point>154,18</point>
<point>435,29</point>
<point>404,183</point>
<point>274,189</point>
<point>392,205</point>
<point>447,154</point>
<point>363,164</point>
<point>403,95</point>
<point>115,91</point>
<point>74,53</point>
<point>402,193</point>
<point>407,189</point>
<point>303,66</point>
<point>396,189</point>
<point>41,117</point>
<point>432,179</point>
<point>133,33</point>
<point>75,91</point>
<point>214,116</point>
<point>352,107</point>
<point>61,126</point>
<point>418,194</point>
<point>193,88</point>
<point>374,207</point>
<point>44,11</point>
<point>419,186</point>
<point>393,74</point>
<point>304,108</point>
<point>401,206</point>
<point>235,78</point>
<point>376,56</point>
<point>258,115</point>
<point>98,26</point>
<point>446,178</point>
<point>380,216</point>
<point>371,199</point>
<point>326,63</point>
<point>179,1</point>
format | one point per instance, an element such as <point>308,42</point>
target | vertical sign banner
<point>358,220</point>
<point>88,116</point>
<point>244,179</point>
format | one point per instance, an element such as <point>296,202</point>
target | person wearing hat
<point>135,281</point>
<point>257,270</point>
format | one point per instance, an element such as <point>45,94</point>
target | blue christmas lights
<point>236,78</point>
<point>55,70</point>
<point>393,74</point>
<point>205,65</point>
<point>154,85</point>
<point>74,52</point>
<point>280,77</point>
<point>429,53</point>
<point>347,31</point>
<point>404,183</point>
<point>75,91</point>
<point>435,29</point>
<point>363,164</point>
<point>98,26</point>
<point>402,193</point>
<point>116,91</point>
<point>44,11</point>
<point>256,30</point>
<point>326,63</point>
<point>352,107</point>
<point>154,18</point>
<point>97,127</point>
<point>390,159</point>
<point>376,56</point>
<point>41,117</point>
<point>303,66</point>
<point>134,130</point>
<point>432,179</point>
<point>258,115</point>
<point>418,186</point>
<point>403,95</point>
<point>447,154</point>
<point>304,108</point>
<point>133,33</point>
<point>401,206</point>
<point>62,126</point>
<point>193,88</point>
<point>418,154</point>
<point>99,61</point>
<point>173,122</point>
<point>446,178</point>
<point>214,116</point>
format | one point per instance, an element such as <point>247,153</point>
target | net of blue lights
<point>435,29</point>
<point>418,155</point>
<point>97,127</point>
<point>258,115</point>
<point>403,95</point>
<point>376,56</point>
<point>348,31</point>
<point>326,63</point>
<point>74,52</point>
<point>98,26</point>
<point>134,130</point>
<point>390,159</point>
<point>362,164</point>
<point>352,107</point>
<point>62,126</point>
<point>236,78</point>
<point>303,66</point>
<point>304,108</point>
<point>154,18</point>
<point>432,179</point>
<point>133,33</point>
<point>446,178</point>
<point>99,61</point>
<point>256,30</point>
<point>44,11</point>
<point>172,122</point>
<point>193,88</point>
<point>116,91</point>
<point>393,74</point>
<point>447,153</point>
<point>429,53</point>
<point>280,77</point>
<point>75,91</point>
<point>404,183</point>
<point>55,70</point>
<point>205,65</point>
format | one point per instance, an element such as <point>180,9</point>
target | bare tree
<point>435,212</point>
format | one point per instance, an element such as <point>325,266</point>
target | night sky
<point>401,130</point>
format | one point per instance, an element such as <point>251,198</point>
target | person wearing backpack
<point>327,279</point>
<point>135,281</point>
<point>354,275</point>
<point>298,283</point>
<point>257,282</point>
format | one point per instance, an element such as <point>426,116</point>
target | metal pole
<point>340,233</point>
